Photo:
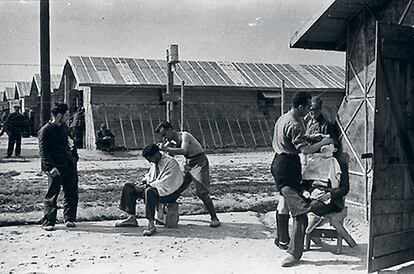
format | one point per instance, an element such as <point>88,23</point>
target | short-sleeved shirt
<point>289,134</point>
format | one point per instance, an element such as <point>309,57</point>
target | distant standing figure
<point>32,119</point>
<point>106,139</point>
<point>196,163</point>
<point>14,127</point>
<point>58,160</point>
<point>77,127</point>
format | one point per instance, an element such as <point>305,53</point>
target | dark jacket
<point>15,123</point>
<point>54,149</point>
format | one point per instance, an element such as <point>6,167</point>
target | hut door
<point>391,239</point>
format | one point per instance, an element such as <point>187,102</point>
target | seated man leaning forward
<point>162,184</point>
<point>325,183</point>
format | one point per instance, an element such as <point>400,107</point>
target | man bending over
<point>196,163</point>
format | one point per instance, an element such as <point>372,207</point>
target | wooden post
<point>133,129</point>
<point>251,131</point>
<point>122,129</point>
<point>44,63</point>
<point>106,117</point>
<point>211,131</point>
<point>182,106</point>
<point>261,129</point>
<point>282,97</point>
<point>231,131</point>
<point>219,134</point>
<point>152,126</point>
<point>201,130</point>
<point>241,132</point>
<point>142,130</point>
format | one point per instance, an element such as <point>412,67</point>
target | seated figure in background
<point>106,139</point>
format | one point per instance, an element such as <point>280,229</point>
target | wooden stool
<point>167,214</point>
<point>336,219</point>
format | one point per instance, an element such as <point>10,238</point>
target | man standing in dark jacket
<point>58,160</point>
<point>14,126</point>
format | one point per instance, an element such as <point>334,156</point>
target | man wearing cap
<point>14,127</point>
<point>59,158</point>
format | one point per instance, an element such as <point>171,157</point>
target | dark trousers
<point>298,207</point>
<point>68,180</point>
<point>14,139</point>
<point>131,192</point>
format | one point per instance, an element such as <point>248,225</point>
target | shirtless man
<point>196,163</point>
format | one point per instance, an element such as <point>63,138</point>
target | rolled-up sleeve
<point>298,137</point>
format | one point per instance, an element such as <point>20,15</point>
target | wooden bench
<point>338,232</point>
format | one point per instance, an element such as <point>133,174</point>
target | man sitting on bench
<point>325,183</point>
<point>162,184</point>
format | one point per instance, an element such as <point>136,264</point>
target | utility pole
<point>44,62</point>
<point>172,59</point>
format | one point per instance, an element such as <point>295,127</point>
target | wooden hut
<point>35,88</point>
<point>376,115</point>
<point>226,104</point>
<point>27,100</point>
<point>11,96</point>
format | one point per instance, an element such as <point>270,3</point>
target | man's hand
<point>162,147</point>
<point>324,197</point>
<point>54,172</point>
<point>306,194</point>
<point>326,141</point>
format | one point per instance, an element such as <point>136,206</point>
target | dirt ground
<point>243,244</point>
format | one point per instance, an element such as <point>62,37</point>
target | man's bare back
<point>190,144</point>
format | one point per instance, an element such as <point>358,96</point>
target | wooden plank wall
<point>215,118</point>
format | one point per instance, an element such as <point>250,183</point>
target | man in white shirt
<point>163,183</point>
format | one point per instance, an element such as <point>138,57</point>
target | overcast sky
<point>228,30</point>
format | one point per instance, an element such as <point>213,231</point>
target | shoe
<point>48,227</point>
<point>215,223</point>
<point>314,222</point>
<point>281,245</point>
<point>149,231</point>
<point>289,261</point>
<point>7,156</point>
<point>127,223</point>
<point>70,224</point>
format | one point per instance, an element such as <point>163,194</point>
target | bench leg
<point>307,242</point>
<point>344,234</point>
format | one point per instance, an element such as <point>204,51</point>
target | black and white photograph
<point>207,136</point>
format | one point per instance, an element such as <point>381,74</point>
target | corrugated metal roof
<point>132,71</point>
<point>9,93</point>
<point>23,88</point>
<point>54,81</point>
<point>327,28</point>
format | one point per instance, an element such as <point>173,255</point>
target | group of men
<point>17,125</point>
<point>165,180</point>
<point>293,137</point>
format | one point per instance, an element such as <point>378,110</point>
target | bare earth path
<point>243,244</point>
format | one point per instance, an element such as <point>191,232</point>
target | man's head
<point>316,107</point>
<point>165,130</point>
<point>301,102</point>
<point>103,126</point>
<point>60,113</point>
<point>152,153</point>
<point>16,108</point>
